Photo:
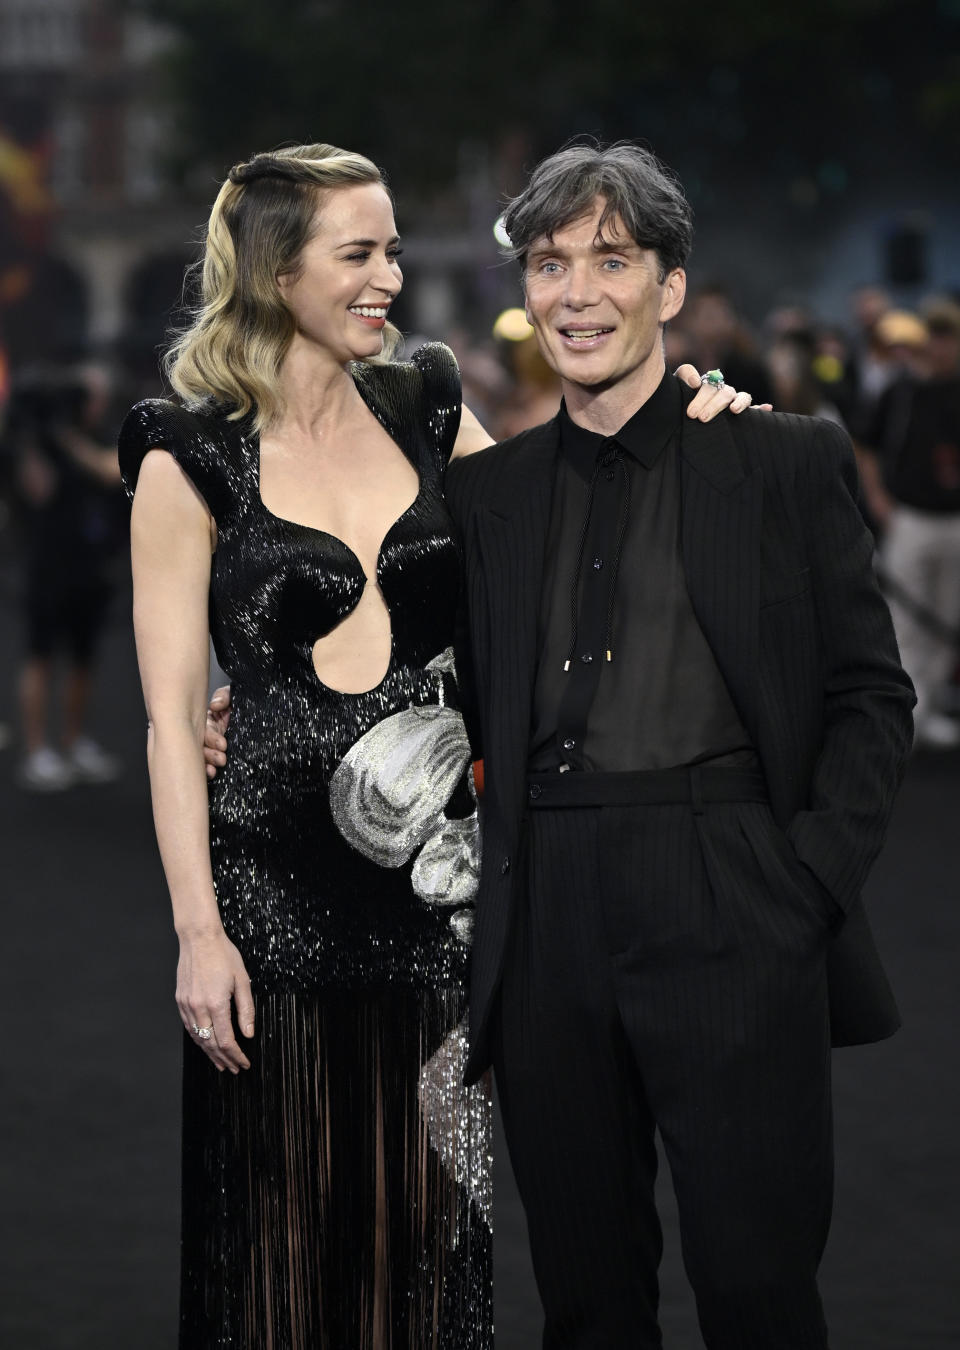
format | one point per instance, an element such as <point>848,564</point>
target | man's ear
<point>674,294</point>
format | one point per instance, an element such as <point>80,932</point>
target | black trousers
<point>666,971</point>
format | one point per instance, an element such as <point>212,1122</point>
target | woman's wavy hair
<point>230,354</point>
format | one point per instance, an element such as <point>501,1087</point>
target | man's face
<point>597,305</point>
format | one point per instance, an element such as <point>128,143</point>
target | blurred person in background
<point>535,395</point>
<point>719,339</point>
<point>911,453</point>
<point>796,389</point>
<point>484,380</point>
<point>877,345</point>
<point>902,337</point>
<point>871,363</point>
<point>833,369</point>
<point>67,486</point>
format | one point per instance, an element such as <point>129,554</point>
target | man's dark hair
<point>644,193</point>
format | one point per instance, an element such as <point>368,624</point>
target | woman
<point>336,1174</point>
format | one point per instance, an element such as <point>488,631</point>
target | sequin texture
<point>344,843</point>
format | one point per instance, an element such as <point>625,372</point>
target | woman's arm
<point>471,437</point>
<point>171,537</point>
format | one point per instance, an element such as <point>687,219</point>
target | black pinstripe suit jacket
<point>778,567</point>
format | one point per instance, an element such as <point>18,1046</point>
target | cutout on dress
<point>354,657</point>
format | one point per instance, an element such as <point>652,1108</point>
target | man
<point>693,720</point>
<point>912,445</point>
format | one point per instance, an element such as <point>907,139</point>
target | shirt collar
<point>644,436</point>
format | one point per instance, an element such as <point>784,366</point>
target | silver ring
<point>203,1032</point>
<point>714,378</point>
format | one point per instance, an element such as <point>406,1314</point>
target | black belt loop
<point>696,790</point>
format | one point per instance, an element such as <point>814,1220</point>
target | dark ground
<point>90,1078</point>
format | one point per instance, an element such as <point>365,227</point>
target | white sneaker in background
<point>45,771</point>
<point>90,763</point>
<point>938,732</point>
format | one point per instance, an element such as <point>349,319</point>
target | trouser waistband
<point>693,785</point>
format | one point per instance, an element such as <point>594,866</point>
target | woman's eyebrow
<point>367,243</point>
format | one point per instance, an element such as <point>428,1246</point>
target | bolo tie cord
<point>610,458</point>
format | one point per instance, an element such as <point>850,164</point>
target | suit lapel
<point>721,518</point>
<point>512,534</point>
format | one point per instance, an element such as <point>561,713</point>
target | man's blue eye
<point>615,263</point>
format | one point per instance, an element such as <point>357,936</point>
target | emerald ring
<point>714,378</point>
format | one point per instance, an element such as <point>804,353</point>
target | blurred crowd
<point>890,375</point>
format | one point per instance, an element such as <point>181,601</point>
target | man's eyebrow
<point>601,245</point>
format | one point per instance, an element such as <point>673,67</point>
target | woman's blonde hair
<point>263,216</point>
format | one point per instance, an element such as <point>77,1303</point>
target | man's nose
<point>581,287</point>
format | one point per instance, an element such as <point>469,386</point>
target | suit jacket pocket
<point>777,860</point>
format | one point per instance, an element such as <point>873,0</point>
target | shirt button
<point>535,790</point>
<point>568,744</point>
<point>505,867</point>
<point>609,475</point>
<point>586,658</point>
<point>597,564</point>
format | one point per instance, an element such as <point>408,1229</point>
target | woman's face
<point>348,274</point>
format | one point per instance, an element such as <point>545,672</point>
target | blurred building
<point>91,247</point>
<point>93,238</point>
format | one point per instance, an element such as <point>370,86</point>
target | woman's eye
<point>358,257</point>
<point>394,252</point>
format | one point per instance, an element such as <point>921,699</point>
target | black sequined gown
<point>337,1195</point>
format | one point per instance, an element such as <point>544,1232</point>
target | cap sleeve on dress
<point>442,397</point>
<point>193,440</point>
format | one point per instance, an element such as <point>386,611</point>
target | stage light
<point>500,234</point>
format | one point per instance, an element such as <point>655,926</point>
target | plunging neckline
<point>328,534</point>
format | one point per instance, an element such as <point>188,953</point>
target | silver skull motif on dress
<point>388,798</point>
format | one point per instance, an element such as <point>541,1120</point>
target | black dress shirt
<point>626,678</point>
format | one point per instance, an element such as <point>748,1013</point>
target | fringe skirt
<point>337,1195</point>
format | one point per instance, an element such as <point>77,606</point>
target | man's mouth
<point>584,335</point>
